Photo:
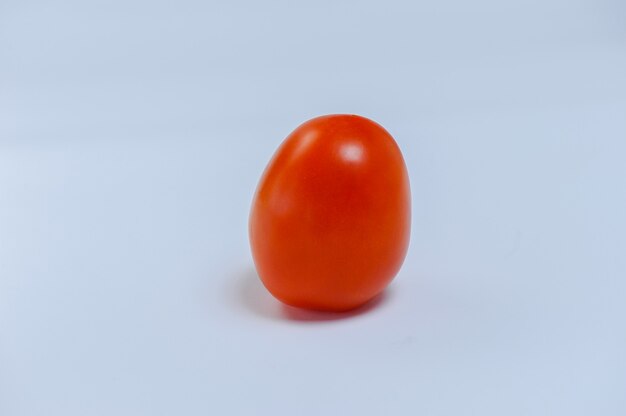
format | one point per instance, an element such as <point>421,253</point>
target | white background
<point>132,136</point>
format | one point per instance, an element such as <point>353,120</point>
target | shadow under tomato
<point>255,298</point>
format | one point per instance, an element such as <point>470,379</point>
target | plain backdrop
<point>132,136</point>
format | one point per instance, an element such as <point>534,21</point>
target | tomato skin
<point>330,221</point>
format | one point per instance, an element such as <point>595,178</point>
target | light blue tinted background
<point>132,135</point>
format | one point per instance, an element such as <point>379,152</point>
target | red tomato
<point>331,217</point>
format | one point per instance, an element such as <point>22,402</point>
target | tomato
<point>330,220</point>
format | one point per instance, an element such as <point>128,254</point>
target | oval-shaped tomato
<point>331,217</point>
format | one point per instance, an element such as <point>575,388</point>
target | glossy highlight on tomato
<point>331,217</point>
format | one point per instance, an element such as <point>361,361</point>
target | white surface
<point>132,136</point>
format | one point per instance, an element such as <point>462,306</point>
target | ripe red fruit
<point>331,217</point>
